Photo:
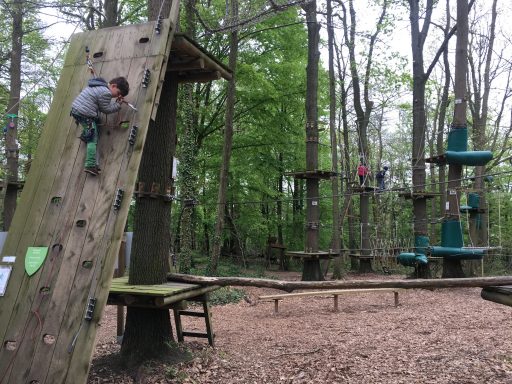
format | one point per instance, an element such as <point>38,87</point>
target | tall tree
<point>336,237</point>
<point>226,150</point>
<point>481,53</point>
<point>452,267</point>
<point>11,138</point>
<point>362,115</point>
<point>148,331</point>
<point>189,149</point>
<point>311,267</point>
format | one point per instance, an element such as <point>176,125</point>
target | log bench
<point>334,293</point>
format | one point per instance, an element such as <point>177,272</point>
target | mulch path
<point>434,336</point>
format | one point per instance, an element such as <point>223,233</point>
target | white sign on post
<point>5,272</point>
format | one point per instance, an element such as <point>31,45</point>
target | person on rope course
<point>95,98</point>
<point>362,172</point>
<point>380,178</point>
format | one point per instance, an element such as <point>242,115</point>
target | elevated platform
<point>170,295</point>
<point>365,189</point>
<point>153,296</point>
<point>315,174</point>
<point>417,195</point>
<point>311,255</point>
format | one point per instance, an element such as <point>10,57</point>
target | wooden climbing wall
<point>45,336</point>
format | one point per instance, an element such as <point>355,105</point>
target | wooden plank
<point>330,293</point>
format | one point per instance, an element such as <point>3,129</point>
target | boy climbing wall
<point>95,98</point>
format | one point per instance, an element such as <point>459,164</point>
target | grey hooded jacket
<point>94,99</point>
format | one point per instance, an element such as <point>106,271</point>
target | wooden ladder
<point>205,313</point>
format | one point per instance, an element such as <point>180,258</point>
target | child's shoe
<point>95,171</point>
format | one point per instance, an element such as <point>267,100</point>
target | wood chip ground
<point>440,336</point>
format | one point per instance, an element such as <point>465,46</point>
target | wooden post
<point>121,267</point>
<point>335,303</point>
<point>396,298</point>
<point>276,306</point>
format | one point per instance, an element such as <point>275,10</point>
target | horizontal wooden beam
<point>181,44</point>
<point>195,64</point>
<point>290,286</point>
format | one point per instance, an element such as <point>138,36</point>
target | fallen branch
<point>290,286</point>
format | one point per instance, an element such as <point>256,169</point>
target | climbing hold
<point>56,200</point>
<point>146,78</point>
<point>90,309</point>
<point>49,339</point>
<point>11,345</point>
<point>44,290</point>
<point>158,26</point>
<point>118,199</point>
<point>133,135</point>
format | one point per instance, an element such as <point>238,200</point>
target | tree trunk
<point>311,269</point>
<point>453,267</point>
<point>363,118</point>
<point>290,286</point>
<point>419,122</point>
<point>148,331</point>
<point>479,220</point>
<point>188,160</point>
<point>226,151</point>
<point>335,238</point>
<point>11,137</point>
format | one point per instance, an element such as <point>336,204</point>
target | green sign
<point>34,259</point>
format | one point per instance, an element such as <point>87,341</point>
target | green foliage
<point>226,295</point>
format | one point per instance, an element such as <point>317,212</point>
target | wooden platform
<point>48,320</point>
<point>315,174</point>
<point>410,195</point>
<point>311,255</point>
<point>160,296</point>
<point>170,295</point>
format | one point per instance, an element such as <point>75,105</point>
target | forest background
<point>264,203</point>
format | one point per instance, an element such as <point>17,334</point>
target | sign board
<point>5,272</point>
<point>34,259</point>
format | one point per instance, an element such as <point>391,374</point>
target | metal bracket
<point>146,78</point>
<point>90,308</point>
<point>312,225</point>
<point>118,199</point>
<point>158,26</point>
<point>133,135</point>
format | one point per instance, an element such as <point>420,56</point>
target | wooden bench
<point>333,293</point>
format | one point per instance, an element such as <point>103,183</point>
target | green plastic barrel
<point>458,140</point>
<point>421,243</point>
<point>474,200</point>
<point>451,234</point>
